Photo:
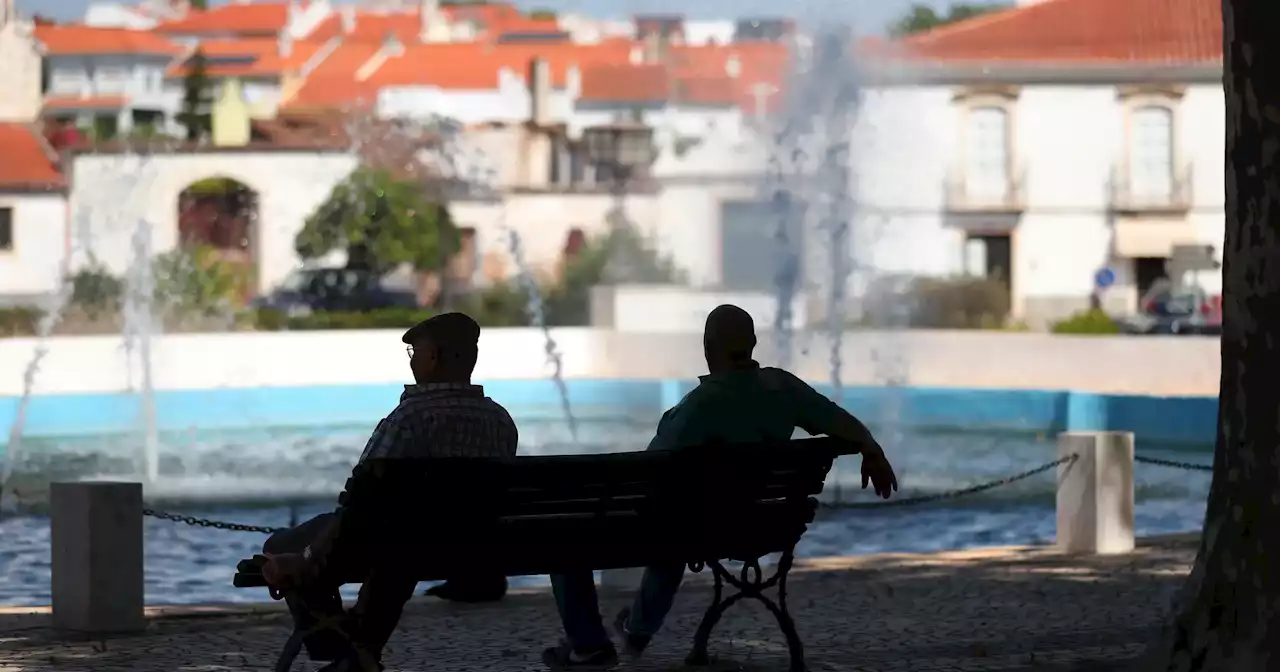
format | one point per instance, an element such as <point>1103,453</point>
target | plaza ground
<point>1011,608</point>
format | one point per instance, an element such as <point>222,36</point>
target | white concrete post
<point>1095,492</point>
<point>97,557</point>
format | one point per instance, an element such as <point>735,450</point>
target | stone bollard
<point>97,557</point>
<point>1095,492</point>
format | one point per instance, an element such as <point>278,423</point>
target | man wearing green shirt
<point>737,402</point>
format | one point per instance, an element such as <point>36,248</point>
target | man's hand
<point>287,570</point>
<point>877,471</point>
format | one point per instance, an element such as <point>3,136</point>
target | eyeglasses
<point>409,349</point>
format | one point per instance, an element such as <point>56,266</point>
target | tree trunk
<point>1228,617</point>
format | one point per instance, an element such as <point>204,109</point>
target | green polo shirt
<point>749,406</point>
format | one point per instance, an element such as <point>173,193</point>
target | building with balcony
<point>1032,145</point>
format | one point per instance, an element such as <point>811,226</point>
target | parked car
<point>1176,309</point>
<point>334,290</point>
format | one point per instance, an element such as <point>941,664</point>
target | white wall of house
<point>1068,141</point>
<point>112,194</point>
<point>138,78</point>
<point>31,266</point>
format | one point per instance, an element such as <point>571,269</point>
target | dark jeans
<point>370,623</point>
<point>579,605</point>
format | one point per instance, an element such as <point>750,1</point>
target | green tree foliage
<point>196,281</point>
<point>381,222</point>
<point>621,256</point>
<point>199,5</point>
<point>921,18</point>
<point>196,98</point>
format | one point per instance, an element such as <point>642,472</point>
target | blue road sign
<point>1104,278</point>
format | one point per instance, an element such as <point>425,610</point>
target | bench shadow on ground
<point>997,609</point>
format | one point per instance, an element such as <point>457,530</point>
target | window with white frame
<point>111,79</point>
<point>67,81</point>
<point>1151,154</point>
<point>987,153</point>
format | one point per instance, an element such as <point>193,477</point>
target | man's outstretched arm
<point>819,415</point>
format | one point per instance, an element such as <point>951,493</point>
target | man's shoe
<point>563,657</point>
<point>632,645</point>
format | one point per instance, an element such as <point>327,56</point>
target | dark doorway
<point>1147,271</point>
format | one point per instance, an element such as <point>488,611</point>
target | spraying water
<point>470,163</point>
<point>788,277</point>
<point>44,329</point>
<point>139,328</point>
<point>538,315</point>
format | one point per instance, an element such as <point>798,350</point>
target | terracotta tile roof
<point>711,75</point>
<point>335,92</point>
<point>492,20</point>
<point>249,57</point>
<point>71,40</point>
<point>56,103</point>
<point>475,65</point>
<point>1081,31</point>
<point>29,163</point>
<point>370,26</point>
<point>258,18</point>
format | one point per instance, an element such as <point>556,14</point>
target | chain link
<point>1188,466</point>
<point>981,487</point>
<point>215,524</point>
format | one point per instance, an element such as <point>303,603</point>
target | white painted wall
<point>1068,139</point>
<point>1155,365</point>
<point>32,267</point>
<point>112,193</point>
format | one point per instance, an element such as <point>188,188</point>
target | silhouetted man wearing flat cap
<point>441,415</point>
<point>737,402</point>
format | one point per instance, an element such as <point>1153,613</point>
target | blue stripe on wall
<point>1157,419</point>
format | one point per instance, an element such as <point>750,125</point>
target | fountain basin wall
<point>1164,389</point>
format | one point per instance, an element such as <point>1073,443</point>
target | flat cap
<point>448,328</point>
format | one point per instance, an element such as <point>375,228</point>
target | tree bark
<point>1228,616</point>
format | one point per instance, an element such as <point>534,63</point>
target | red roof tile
<point>258,18</point>
<point>71,40</point>
<point>254,57</point>
<point>29,163</point>
<point>1081,31</point>
<point>56,103</point>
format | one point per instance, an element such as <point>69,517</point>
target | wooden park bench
<point>555,514</point>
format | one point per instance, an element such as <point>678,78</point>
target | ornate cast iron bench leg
<point>293,645</point>
<point>751,584</point>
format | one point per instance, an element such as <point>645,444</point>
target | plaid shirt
<point>444,420</point>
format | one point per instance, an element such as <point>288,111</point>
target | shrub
<point>1087,322</point>
<point>958,303</point>
<point>96,291</point>
<point>19,321</point>
<point>198,282</point>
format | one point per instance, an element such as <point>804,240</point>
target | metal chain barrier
<point>1188,466</point>
<point>905,501</point>
<point>215,524</point>
<point>950,494</point>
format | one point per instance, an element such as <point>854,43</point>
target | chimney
<point>347,15</point>
<point>284,43</point>
<point>539,92</point>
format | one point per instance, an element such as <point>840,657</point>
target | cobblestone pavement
<point>995,609</point>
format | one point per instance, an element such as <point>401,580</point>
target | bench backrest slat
<point>532,514</point>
